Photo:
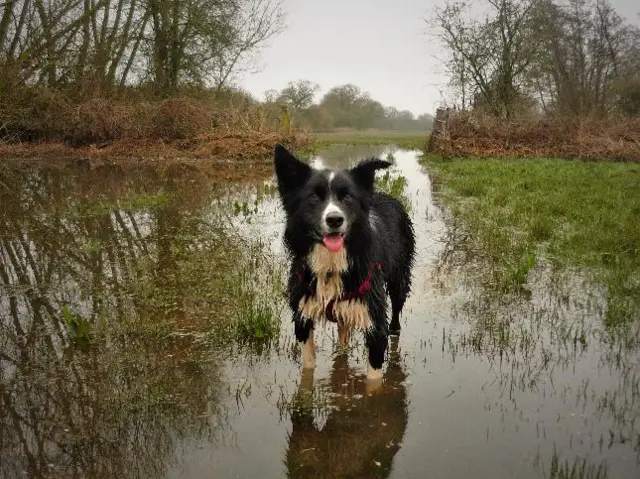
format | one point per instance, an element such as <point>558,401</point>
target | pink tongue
<point>333,242</point>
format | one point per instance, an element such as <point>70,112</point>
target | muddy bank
<point>87,168</point>
<point>219,149</point>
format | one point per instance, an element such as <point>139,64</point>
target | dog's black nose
<point>334,220</point>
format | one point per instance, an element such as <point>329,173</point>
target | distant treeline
<point>345,106</point>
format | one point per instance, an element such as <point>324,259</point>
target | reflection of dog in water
<point>363,431</point>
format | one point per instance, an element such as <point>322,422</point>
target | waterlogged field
<point>365,138</point>
<point>144,333</point>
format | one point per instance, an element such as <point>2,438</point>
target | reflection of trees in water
<point>565,307</point>
<point>535,341</point>
<point>346,156</point>
<point>111,247</point>
<point>361,433</point>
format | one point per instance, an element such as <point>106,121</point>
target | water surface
<point>120,355</point>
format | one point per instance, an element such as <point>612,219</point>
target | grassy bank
<point>573,213</point>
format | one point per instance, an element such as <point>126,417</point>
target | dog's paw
<point>308,353</point>
<point>373,385</point>
<point>373,374</point>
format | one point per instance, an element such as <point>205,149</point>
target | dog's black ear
<point>364,173</point>
<point>291,172</point>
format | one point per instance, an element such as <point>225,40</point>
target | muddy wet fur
<point>377,237</point>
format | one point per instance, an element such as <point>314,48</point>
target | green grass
<point>578,469</point>
<point>259,298</point>
<point>257,322</point>
<point>140,202</point>
<point>404,139</point>
<point>572,213</point>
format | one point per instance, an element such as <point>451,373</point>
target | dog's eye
<point>317,194</point>
<point>343,195</point>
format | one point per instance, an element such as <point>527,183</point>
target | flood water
<point>121,291</point>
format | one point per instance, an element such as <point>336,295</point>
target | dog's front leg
<point>298,279</point>
<point>304,335</point>
<point>377,339</point>
<point>377,346</point>
<point>344,335</point>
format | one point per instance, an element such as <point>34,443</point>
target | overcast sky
<point>384,47</point>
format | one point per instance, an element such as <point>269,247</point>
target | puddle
<point>143,333</point>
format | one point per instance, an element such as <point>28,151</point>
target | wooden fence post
<point>440,129</point>
<point>286,121</point>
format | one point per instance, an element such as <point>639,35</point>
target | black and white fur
<point>375,229</point>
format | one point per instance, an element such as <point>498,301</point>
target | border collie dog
<point>350,246</point>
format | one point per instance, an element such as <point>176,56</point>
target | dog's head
<point>325,206</point>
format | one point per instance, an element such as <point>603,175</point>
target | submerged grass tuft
<point>571,212</point>
<point>141,202</point>
<point>578,469</point>
<point>259,289</point>
<point>257,322</point>
<point>79,329</point>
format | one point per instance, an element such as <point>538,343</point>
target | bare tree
<point>255,23</point>
<point>490,58</point>
<point>570,56</point>
<point>97,44</point>
<point>590,56</point>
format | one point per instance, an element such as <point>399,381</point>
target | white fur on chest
<point>328,266</point>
